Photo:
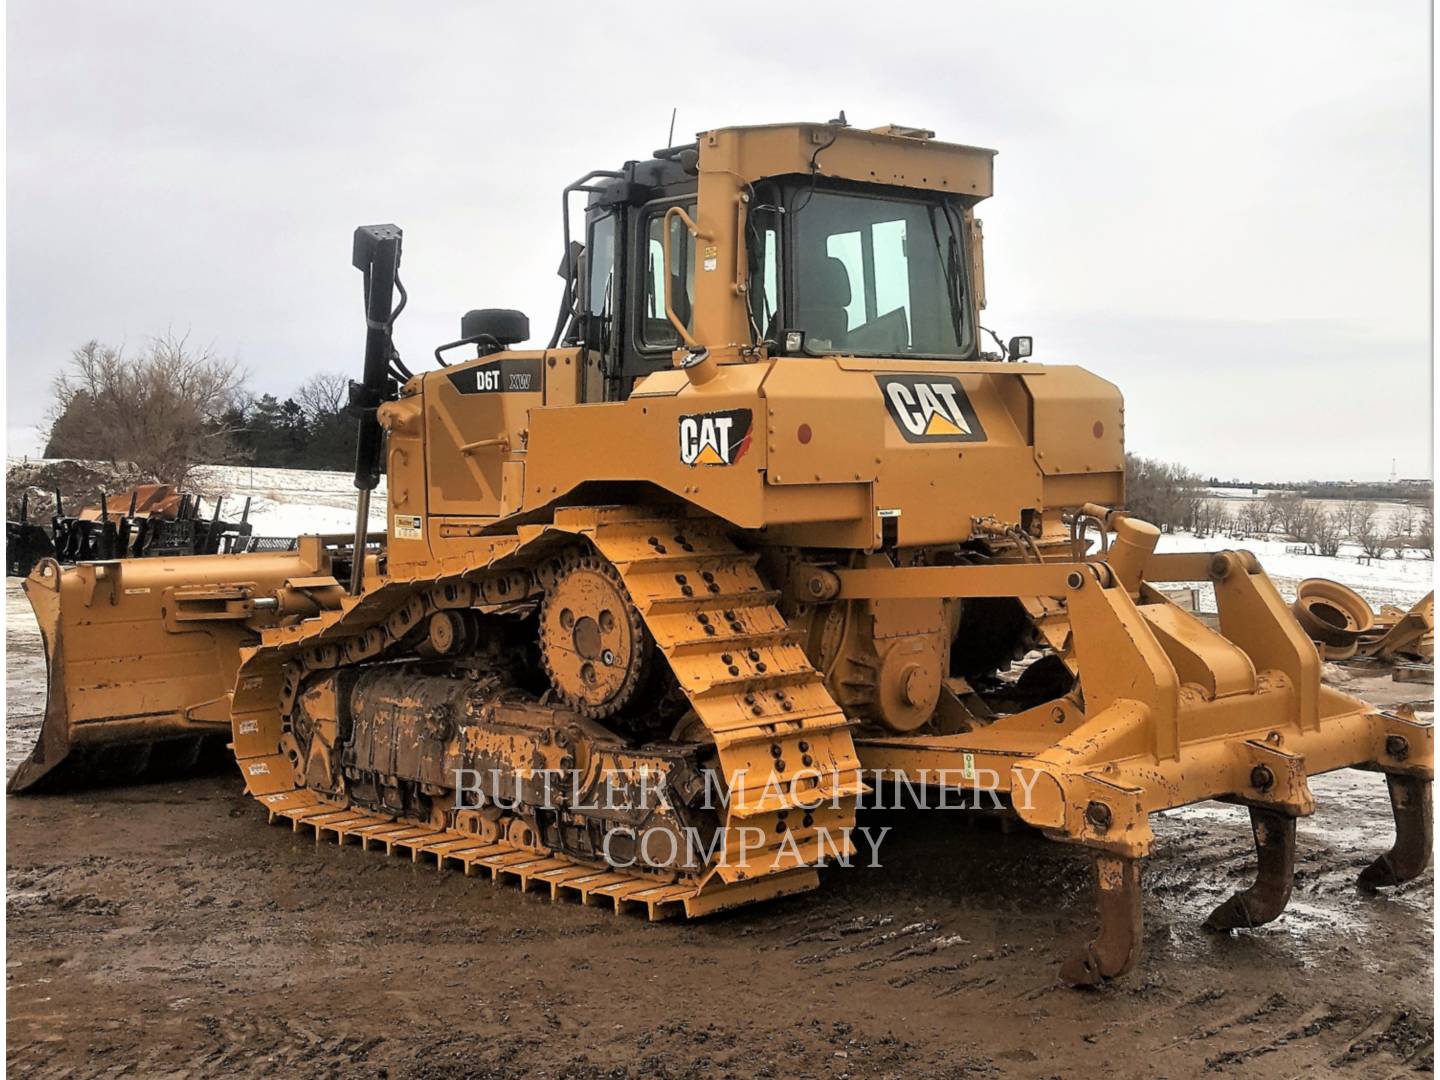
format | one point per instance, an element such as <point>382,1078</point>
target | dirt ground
<point>165,930</point>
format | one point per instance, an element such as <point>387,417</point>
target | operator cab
<point>832,266</point>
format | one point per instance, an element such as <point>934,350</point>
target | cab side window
<point>600,267</point>
<point>656,330</point>
<point>762,246</point>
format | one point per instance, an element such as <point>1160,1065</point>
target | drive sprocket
<point>594,646</point>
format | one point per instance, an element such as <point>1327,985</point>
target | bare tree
<point>1167,496</point>
<point>1272,511</point>
<point>1402,522</point>
<point>1328,533</point>
<point>1253,518</point>
<point>1224,519</point>
<point>1307,521</point>
<point>1286,510</point>
<point>1211,517</point>
<point>1348,514</point>
<point>1203,518</point>
<point>1425,533</point>
<point>1368,531</point>
<point>323,394</point>
<point>165,411</point>
<point>1402,528</point>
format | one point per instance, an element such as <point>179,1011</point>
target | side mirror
<point>1020,348</point>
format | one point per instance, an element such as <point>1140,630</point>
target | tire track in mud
<point>228,1046</point>
<point>899,977</point>
<point>993,952</point>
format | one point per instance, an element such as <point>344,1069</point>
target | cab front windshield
<point>877,275</point>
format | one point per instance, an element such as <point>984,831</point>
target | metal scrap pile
<point>1343,627</point>
<point>1400,633</point>
<point>26,542</point>
<point>149,519</point>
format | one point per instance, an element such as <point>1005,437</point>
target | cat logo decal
<point>716,438</point>
<point>930,408</point>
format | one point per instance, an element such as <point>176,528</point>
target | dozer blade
<point>141,656</point>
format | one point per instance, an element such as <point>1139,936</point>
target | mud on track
<point>166,930</point>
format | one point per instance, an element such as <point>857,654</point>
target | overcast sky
<point>1221,207</point>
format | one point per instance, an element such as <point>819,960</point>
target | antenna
<point>670,139</point>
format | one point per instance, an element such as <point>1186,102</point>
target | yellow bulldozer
<point>657,603</point>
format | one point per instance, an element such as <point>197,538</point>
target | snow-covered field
<point>288,502</point>
<point>1383,581</point>
<point>283,502</point>
<point>1234,498</point>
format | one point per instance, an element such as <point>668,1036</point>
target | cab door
<point>650,341</point>
<point>620,297</point>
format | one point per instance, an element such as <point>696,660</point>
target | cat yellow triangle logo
<point>930,408</point>
<point>718,438</point>
<point>938,425</point>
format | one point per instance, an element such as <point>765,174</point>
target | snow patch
<point>1380,581</point>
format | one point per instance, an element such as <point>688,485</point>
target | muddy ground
<point>166,930</point>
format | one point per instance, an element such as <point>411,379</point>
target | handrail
<point>502,441</point>
<point>583,184</point>
<point>742,282</point>
<point>680,328</point>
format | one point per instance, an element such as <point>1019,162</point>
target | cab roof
<point>895,155</point>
